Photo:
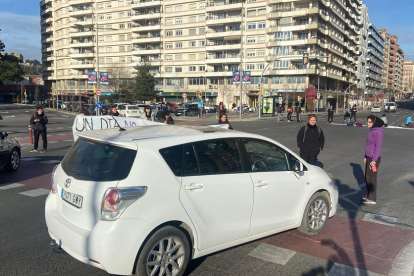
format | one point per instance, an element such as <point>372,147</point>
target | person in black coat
<point>310,140</point>
<point>330,114</point>
<point>354,111</point>
<point>38,122</point>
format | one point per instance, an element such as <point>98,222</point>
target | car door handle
<point>260,184</point>
<point>194,186</point>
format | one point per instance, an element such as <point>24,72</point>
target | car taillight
<point>54,187</point>
<point>116,200</point>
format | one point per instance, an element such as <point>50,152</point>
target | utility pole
<point>241,61</point>
<point>98,78</point>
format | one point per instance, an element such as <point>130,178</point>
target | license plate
<point>73,199</point>
<point>134,111</point>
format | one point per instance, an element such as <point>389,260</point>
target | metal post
<point>241,61</point>
<point>98,79</point>
<point>56,85</point>
<point>317,102</point>
<point>30,134</point>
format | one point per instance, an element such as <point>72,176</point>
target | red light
<point>113,197</point>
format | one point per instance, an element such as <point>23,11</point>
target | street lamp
<point>261,87</point>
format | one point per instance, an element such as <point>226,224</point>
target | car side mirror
<point>4,134</point>
<point>298,167</point>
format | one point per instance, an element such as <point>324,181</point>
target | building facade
<point>408,77</point>
<point>375,63</point>
<point>194,46</point>
<point>393,64</point>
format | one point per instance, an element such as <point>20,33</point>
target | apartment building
<point>195,45</point>
<point>375,62</point>
<point>362,59</point>
<point>393,64</point>
<point>408,77</point>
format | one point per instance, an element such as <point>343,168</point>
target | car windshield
<point>390,104</point>
<point>133,107</point>
<point>376,106</point>
<point>90,160</point>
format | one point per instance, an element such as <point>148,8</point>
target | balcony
<point>292,27</point>
<point>77,12</point>
<point>145,39</point>
<point>293,71</point>
<point>146,51</point>
<point>46,10</point>
<point>85,22</point>
<point>82,65</point>
<point>145,16</point>
<point>223,46</point>
<point>224,59</point>
<point>294,41</point>
<point>81,34</point>
<point>76,44</point>
<point>149,27</point>
<point>285,56</point>
<point>145,3</point>
<point>216,20</point>
<point>82,55</point>
<point>78,2</point>
<point>47,30</point>
<point>228,5</point>
<point>217,34</point>
<point>293,12</point>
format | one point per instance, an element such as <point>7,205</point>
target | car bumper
<point>113,245</point>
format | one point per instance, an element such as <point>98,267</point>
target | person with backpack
<point>38,122</point>
<point>310,140</point>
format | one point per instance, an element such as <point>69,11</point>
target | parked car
<point>210,108</point>
<point>391,107</point>
<point>10,152</point>
<point>376,108</point>
<point>25,101</point>
<point>130,111</point>
<point>189,110</point>
<point>186,193</point>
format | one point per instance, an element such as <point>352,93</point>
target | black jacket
<point>314,140</point>
<point>41,125</point>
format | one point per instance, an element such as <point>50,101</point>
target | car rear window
<point>90,160</point>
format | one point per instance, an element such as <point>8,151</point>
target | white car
<point>391,107</point>
<point>376,108</point>
<point>150,199</point>
<point>130,111</point>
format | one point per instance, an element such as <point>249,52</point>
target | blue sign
<point>99,105</point>
<point>160,94</point>
<point>212,94</point>
<point>104,77</point>
<point>106,93</point>
<point>247,76</point>
<point>236,77</point>
<point>92,77</point>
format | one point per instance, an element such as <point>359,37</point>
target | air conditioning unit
<point>210,87</point>
<point>215,86</point>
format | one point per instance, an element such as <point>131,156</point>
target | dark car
<point>190,110</point>
<point>9,152</point>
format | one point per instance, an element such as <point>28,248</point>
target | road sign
<point>184,95</point>
<point>99,105</point>
<point>98,92</point>
<point>318,96</point>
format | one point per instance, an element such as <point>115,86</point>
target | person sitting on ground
<point>223,120</point>
<point>114,112</point>
<point>408,122</point>
<point>384,119</point>
<point>347,117</point>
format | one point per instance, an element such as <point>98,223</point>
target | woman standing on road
<point>38,122</point>
<point>310,140</point>
<point>372,157</point>
<point>330,114</point>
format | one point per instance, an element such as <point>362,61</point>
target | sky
<point>20,24</point>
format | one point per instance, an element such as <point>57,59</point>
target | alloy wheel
<point>317,214</point>
<point>166,258</point>
<point>15,160</point>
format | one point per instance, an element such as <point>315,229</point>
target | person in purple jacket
<point>372,157</point>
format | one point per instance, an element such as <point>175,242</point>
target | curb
<point>404,265</point>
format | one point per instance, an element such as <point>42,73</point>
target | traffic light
<point>262,90</point>
<point>299,98</point>
<point>329,58</point>
<point>305,58</point>
<point>94,89</point>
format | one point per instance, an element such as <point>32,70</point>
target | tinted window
<point>221,156</point>
<point>264,156</point>
<point>173,156</point>
<point>190,161</point>
<point>89,160</point>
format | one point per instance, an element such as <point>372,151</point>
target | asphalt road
<point>359,240</point>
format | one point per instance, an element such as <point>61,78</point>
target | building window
<point>178,69</point>
<point>122,26</point>
<point>168,9</point>
<point>169,33</point>
<point>179,45</point>
<point>169,69</point>
<point>201,31</point>
<point>179,21</point>
<point>281,64</point>
<point>192,68</point>
<point>178,57</point>
<point>179,33</point>
<point>251,54</point>
<point>251,39</point>
<point>192,56</point>
<point>277,80</point>
<point>169,45</point>
<point>169,57</point>
<point>196,81</point>
<point>178,8</point>
<point>201,43</point>
<point>251,26</point>
<point>192,19</point>
<point>250,66</point>
<point>122,48</point>
<point>108,5</point>
<point>192,31</point>
<point>169,21</point>
<point>261,25</point>
<point>260,53</point>
<point>121,14</point>
<point>201,68</point>
<point>192,44</point>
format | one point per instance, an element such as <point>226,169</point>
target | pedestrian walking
<point>279,112</point>
<point>298,113</point>
<point>223,120</point>
<point>330,114</point>
<point>372,157</point>
<point>384,119</point>
<point>354,111</point>
<point>221,108</point>
<point>39,121</point>
<point>310,140</point>
<point>289,114</point>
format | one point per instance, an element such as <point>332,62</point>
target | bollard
<point>30,134</point>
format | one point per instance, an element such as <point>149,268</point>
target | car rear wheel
<point>167,252</point>
<point>316,214</point>
<point>14,161</point>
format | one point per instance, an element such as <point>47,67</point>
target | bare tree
<point>117,74</point>
<point>224,90</point>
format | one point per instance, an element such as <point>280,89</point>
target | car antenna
<point>120,128</point>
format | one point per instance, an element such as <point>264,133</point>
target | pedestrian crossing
<point>30,193</point>
<point>27,159</point>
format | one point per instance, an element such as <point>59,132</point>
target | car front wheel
<point>316,214</point>
<point>167,252</point>
<point>14,161</point>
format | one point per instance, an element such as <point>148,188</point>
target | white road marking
<point>11,186</point>
<point>381,219</point>
<point>35,193</point>
<point>344,270</point>
<point>50,162</point>
<point>4,112</point>
<point>70,140</point>
<point>272,253</point>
